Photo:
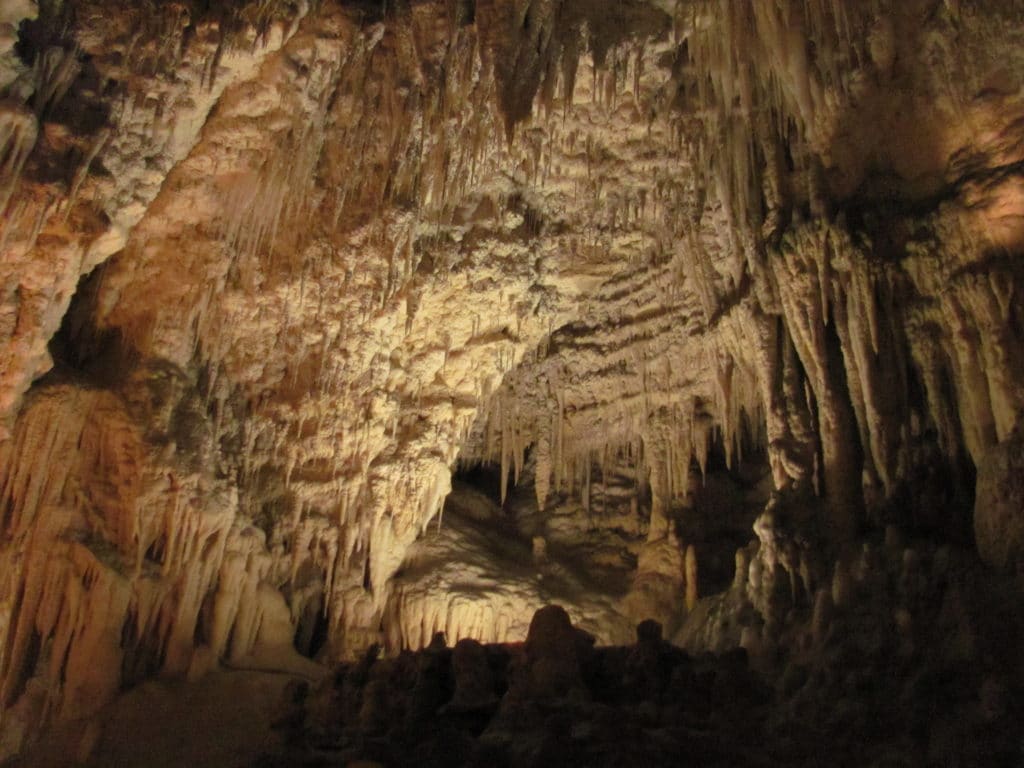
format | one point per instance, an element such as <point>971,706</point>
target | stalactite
<point>692,587</point>
<point>18,133</point>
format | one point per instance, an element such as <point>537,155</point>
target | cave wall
<point>849,249</point>
<point>270,270</point>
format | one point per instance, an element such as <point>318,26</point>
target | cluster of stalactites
<point>118,562</point>
<point>762,69</point>
<point>415,615</point>
<point>22,105</point>
<point>660,437</point>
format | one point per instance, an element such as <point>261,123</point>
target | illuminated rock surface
<point>712,308</point>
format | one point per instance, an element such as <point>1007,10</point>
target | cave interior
<point>511,383</point>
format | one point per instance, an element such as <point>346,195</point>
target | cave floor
<point>223,720</point>
<point>649,704</point>
<point>570,704</point>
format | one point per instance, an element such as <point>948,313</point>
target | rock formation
<point>272,271</point>
<point>654,704</point>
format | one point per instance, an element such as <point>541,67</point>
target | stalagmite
<point>822,618</point>
<point>692,586</point>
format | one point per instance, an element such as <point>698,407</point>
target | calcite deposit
<point>717,303</point>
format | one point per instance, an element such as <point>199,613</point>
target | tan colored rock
<point>659,582</point>
<point>999,505</point>
<point>328,256</point>
<point>692,585</point>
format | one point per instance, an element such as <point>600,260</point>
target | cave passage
<point>511,383</point>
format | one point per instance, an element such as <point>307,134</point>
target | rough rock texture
<point>271,269</point>
<point>474,575</point>
<point>861,697</point>
<point>227,718</point>
<point>999,506</point>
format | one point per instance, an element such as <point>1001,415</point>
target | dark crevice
<point>78,349</point>
<point>484,477</point>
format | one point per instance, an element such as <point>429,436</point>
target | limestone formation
<point>999,506</point>
<point>717,303</point>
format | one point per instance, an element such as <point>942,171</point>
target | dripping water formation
<point>511,383</point>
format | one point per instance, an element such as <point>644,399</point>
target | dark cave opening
<point>78,348</point>
<point>723,504</point>
<point>311,632</point>
<point>482,476</point>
